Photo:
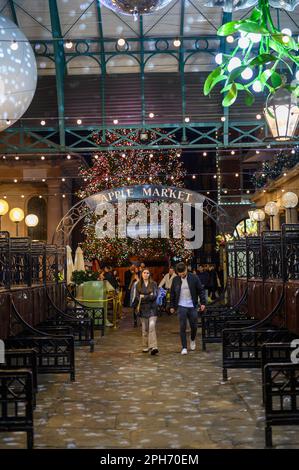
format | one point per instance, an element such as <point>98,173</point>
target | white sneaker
<point>184,351</point>
<point>192,345</point>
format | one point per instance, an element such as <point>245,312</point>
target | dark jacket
<point>148,306</point>
<point>110,278</point>
<point>196,290</point>
<point>204,278</point>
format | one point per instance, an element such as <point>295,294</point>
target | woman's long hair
<point>140,283</point>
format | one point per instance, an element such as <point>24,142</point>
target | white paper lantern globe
<point>271,208</point>
<point>289,200</point>
<point>31,220</point>
<point>18,73</point>
<point>16,214</point>
<point>4,207</point>
<point>258,215</point>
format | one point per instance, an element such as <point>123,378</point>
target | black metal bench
<point>274,353</point>
<point>16,359</point>
<point>16,403</point>
<point>55,353</point>
<point>213,321</point>
<point>242,347</point>
<point>82,325</point>
<point>281,392</point>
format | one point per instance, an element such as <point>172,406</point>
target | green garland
<point>272,170</point>
<point>261,68</point>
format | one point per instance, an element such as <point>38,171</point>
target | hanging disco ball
<point>135,7</point>
<point>18,73</point>
<point>233,5</point>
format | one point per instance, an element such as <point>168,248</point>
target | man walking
<point>185,290</point>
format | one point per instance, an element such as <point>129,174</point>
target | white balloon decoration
<point>18,73</point>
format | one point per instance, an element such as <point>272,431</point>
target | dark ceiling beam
<point>103,67</point>
<point>60,66</point>
<point>13,12</point>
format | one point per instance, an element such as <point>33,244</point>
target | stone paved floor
<point>123,398</point>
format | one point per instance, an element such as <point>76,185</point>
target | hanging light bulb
<point>247,73</point>
<point>257,86</point>
<point>286,31</point>
<point>230,39</point>
<point>233,64</point>
<point>243,42</point>
<point>255,38</point>
<point>219,58</point>
<point>14,45</point>
<point>68,44</point>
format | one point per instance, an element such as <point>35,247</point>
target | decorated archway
<point>134,193</point>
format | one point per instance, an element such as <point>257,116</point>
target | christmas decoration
<point>118,168</point>
<point>18,73</point>
<point>233,5</point>
<point>247,69</point>
<point>285,160</point>
<point>135,8</point>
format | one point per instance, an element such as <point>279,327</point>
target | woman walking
<point>145,302</point>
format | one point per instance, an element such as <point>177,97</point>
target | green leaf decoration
<point>248,26</point>
<point>228,28</point>
<point>255,15</point>
<point>218,79</point>
<point>210,80</point>
<point>291,44</point>
<point>249,98</point>
<point>266,75</point>
<point>236,73</point>
<point>231,96</point>
<point>276,80</point>
<point>276,47</point>
<point>262,59</point>
<point>239,86</point>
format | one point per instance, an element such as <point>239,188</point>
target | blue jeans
<point>192,315</point>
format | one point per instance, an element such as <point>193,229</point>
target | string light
<point>177,42</point>
<point>151,115</point>
<point>63,180</point>
<point>63,195</point>
<point>15,180</point>
<point>205,154</point>
<point>14,45</point>
<point>187,119</point>
<point>43,123</point>
<point>121,42</point>
<point>17,158</point>
<point>230,39</point>
<point>96,156</point>
<point>79,121</point>
<point>233,152</point>
<point>223,118</point>
<point>68,157</point>
<point>42,157</point>
<point>115,121</point>
<point>68,44</point>
<point>22,196</point>
<point>43,180</point>
<point>258,117</point>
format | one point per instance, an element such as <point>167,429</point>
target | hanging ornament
<point>233,5</point>
<point>135,8</point>
<point>261,53</point>
<point>18,73</point>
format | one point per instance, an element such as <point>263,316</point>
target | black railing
<point>273,256</point>
<point>26,262</point>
